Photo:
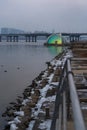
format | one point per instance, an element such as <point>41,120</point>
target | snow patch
<point>25,101</point>
<point>13,127</point>
<point>44,90</point>
<point>58,63</point>
<point>19,113</point>
<point>31,124</point>
<point>15,121</point>
<point>50,78</point>
<point>54,84</point>
<point>45,125</point>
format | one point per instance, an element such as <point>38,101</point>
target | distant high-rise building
<point>10,31</point>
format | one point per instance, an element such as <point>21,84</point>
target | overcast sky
<point>46,15</point>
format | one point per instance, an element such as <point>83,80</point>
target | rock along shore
<point>34,110</point>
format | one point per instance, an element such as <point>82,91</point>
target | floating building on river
<point>54,39</point>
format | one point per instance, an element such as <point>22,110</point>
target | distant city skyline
<point>44,15</point>
<point>7,30</point>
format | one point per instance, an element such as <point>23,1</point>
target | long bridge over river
<point>32,37</point>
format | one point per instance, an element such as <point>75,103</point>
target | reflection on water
<point>19,65</point>
<point>55,50</point>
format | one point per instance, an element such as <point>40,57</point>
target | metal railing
<point>66,96</point>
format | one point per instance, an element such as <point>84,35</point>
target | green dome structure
<point>54,39</point>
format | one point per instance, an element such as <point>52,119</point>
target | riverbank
<point>19,64</point>
<point>35,109</point>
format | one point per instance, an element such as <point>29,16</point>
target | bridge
<point>29,37</point>
<point>32,37</point>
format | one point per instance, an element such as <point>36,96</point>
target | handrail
<point>64,112</point>
<point>58,100</point>
<point>66,85</point>
<point>77,114</point>
<point>56,112</point>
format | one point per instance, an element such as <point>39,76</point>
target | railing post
<point>64,111</point>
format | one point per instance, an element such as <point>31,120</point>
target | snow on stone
<point>13,127</point>
<point>58,63</point>
<point>38,82</point>
<point>50,78</point>
<point>15,121</point>
<point>31,124</point>
<point>41,111</point>
<point>54,84</point>
<point>43,91</point>
<point>45,125</point>
<point>44,75</point>
<point>38,105</point>
<point>53,62</point>
<point>32,92</point>
<point>40,102</point>
<point>25,101</point>
<point>19,113</point>
<point>55,67</point>
<point>52,98</point>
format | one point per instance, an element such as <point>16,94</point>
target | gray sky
<point>46,15</point>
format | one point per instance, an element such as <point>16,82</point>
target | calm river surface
<point>19,65</point>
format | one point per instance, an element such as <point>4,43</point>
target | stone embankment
<point>34,110</point>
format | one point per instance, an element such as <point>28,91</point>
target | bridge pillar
<point>32,39</point>
<point>26,38</point>
<point>78,38</point>
<point>7,39</point>
<point>16,38</point>
<point>10,38</point>
<point>29,38</point>
<point>0,39</point>
<point>35,39</point>
<point>72,39</point>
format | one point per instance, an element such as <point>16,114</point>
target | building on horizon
<point>6,30</point>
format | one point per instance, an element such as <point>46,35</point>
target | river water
<point>19,65</point>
